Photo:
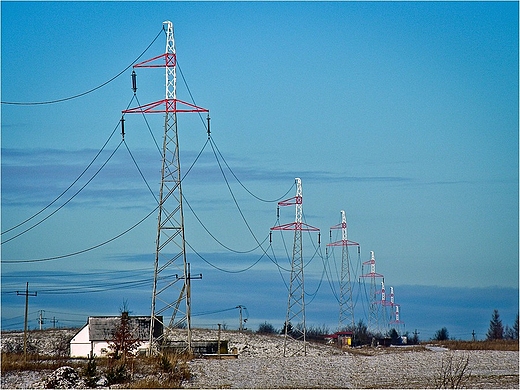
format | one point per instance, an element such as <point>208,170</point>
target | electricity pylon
<point>295,318</point>
<point>395,314</point>
<point>171,285</point>
<point>373,316</point>
<point>346,303</point>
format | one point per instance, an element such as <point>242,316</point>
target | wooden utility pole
<point>54,321</point>
<point>218,341</point>
<point>27,294</point>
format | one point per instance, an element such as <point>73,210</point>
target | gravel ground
<point>260,364</point>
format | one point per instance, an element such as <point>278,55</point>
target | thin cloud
<point>33,177</point>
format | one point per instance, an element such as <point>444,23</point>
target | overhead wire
<point>140,171</point>
<point>113,238</point>
<point>189,91</point>
<point>90,90</point>
<point>245,188</point>
<point>220,268</point>
<point>204,313</point>
<point>214,237</point>
<point>83,250</point>
<point>279,268</point>
<point>148,126</point>
<point>64,191</point>
<point>233,196</point>
<point>66,202</point>
<point>72,184</point>
<point>219,153</point>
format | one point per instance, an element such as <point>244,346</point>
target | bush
<point>117,374</point>
<point>266,328</point>
<point>441,335</point>
<point>90,372</point>
<point>362,336</point>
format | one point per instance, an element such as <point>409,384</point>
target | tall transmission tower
<point>346,303</point>
<point>171,284</point>
<point>373,316</point>
<point>295,318</point>
<point>383,320</point>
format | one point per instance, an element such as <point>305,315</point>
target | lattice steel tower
<point>373,316</point>
<point>295,318</point>
<point>171,285</point>
<point>346,303</point>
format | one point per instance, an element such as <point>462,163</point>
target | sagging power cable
<point>222,269</point>
<point>84,250</point>
<point>90,90</point>
<point>68,200</point>
<point>242,184</point>
<point>71,185</point>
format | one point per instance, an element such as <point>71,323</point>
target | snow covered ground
<point>260,364</point>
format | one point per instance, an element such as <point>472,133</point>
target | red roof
<point>338,334</point>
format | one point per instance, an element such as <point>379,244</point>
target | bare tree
<point>454,373</point>
<point>123,343</point>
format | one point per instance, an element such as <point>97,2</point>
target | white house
<point>94,337</point>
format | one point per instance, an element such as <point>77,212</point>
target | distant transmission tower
<point>295,318</point>
<point>373,311</point>
<point>382,318</point>
<point>395,313</point>
<point>346,303</point>
<point>171,285</point>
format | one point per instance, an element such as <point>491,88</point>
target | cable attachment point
<point>209,131</point>
<point>123,127</point>
<point>134,82</point>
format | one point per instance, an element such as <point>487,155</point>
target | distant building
<point>342,339</point>
<point>94,337</point>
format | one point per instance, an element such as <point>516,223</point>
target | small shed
<point>94,337</point>
<point>342,339</point>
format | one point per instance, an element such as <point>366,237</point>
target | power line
<point>107,241</point>
<point>140,172</point>
<point>90,90</point>
<point>71,185</point>
<point>222,269</point>
<point>84,250</point>
<point>213,236</point>
<point>68,274</point>
<point>213,146</point>
<point>242,184</point>
<point>64,204</point>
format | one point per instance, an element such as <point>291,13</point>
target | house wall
<point>80,344</point>
<point>101,348</point>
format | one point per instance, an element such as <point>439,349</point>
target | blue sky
<point>405,115</point>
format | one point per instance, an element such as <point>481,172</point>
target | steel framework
<point>171,284</point>
<point>373,317</point>
<point>295,318</point>
<point>395,314</point>
<point>346,303</point>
